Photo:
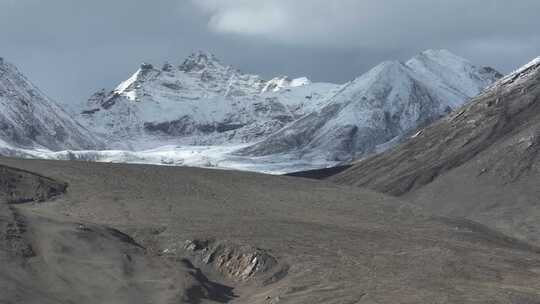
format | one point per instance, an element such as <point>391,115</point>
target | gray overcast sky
<point>71,48</point>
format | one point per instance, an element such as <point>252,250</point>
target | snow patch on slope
<point>280,83</point>
<point>520,73</point>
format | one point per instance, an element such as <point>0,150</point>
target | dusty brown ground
<point>253,239</point>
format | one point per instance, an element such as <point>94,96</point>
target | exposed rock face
<point>380,107</point>
<point>17,186</point>
<point>29,119</point>
<point>236,262</point>
<point>199,61</point>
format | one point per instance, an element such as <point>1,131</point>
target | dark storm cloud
<point>70,48</point>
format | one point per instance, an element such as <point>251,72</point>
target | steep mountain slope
<point>372,112</point>
<point>29,119</point>
<point>481,162</point>
<point>222,236</point>
<point>200,102</point>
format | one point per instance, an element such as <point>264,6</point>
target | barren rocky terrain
<point>482,162</point>
<point>76,232</point>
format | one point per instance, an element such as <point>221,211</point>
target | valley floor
<point>117,233</point>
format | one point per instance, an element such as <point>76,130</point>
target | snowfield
<point>213,157</point>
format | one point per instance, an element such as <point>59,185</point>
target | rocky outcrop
<point>18,186</point>
<point>240,263</point>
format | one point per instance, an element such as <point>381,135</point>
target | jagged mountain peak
<point>450,61</point>
<point>443,68</point>
<point>147,66</point>
<point>200,60</point>
<point>441,57</point>
<point>204,69</point>
<point>200,102</point>
<point>439,54</point>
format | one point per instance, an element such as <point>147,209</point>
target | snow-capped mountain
<point>203,113</point>
<point>374,111</point>
<point>200,102</point>
<point>29,119</point>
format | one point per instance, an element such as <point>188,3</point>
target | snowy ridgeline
<point>200,102</point>
<point>374,111</point>
<point>202,113</point>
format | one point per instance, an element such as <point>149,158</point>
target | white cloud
<point>246,17</point>
<point>370,23</point>
<point>283,20</point>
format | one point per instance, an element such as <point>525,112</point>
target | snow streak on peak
<point>283,82</point>
<point>522,72</point>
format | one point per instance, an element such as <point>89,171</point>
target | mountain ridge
<point>482,162</point>
<point>388,101</point>
<point>204,113</point>
<point>30,119</point>
<point>200,101</point>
